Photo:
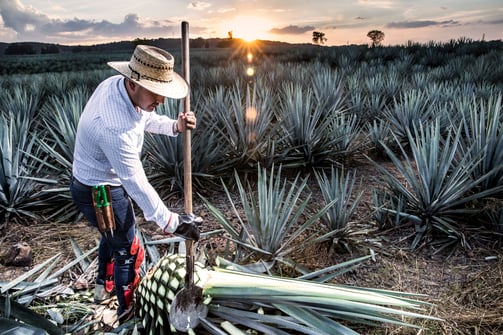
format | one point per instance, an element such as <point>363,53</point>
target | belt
<point>76,182</point>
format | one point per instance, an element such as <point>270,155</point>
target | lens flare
<point>251,114</point>
<point>250,71</point>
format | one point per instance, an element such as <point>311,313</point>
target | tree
<point>376,36</point>
<point>319,37</point>
<point>20,49</point>
<point>197,43</point>
<point>49,49</point>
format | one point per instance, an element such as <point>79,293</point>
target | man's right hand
<point>188,226</point>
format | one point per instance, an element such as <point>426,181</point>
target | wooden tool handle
<point>187,158</point>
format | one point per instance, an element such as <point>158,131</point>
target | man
<point>107,168</point>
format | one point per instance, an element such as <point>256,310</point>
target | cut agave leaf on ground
<point>29,317</point>
<point>254,302</point>
<point>258,267</point>
<point>12,327</point>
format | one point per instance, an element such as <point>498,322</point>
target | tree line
<point>376,36</point>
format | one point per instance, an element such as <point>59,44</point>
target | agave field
<point>300,151</point>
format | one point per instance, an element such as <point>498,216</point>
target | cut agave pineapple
<point>271,305</point>
<point>158,289</point>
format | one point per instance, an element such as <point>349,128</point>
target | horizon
<point>73,22</point>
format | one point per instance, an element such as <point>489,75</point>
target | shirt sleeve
<point>125,160</point>
<point>160,124</point>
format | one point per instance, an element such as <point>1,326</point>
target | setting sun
<point>249,28</point>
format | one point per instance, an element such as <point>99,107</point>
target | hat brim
<point>176,89</point>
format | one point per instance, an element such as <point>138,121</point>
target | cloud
<point>20,18</point>
<point>226,10</point>
<point>28,24</point>
<point>198,5</point>
<point>387,4</point>
<point>291,30</point>
<point>497,22</point>
<point>420,24</point>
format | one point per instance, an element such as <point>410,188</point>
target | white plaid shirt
<point>109,142</point>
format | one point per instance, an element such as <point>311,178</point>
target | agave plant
<point>437,186</point>
<point>60,117</point>
<point>411,109</point>
<point>338,187</point>
<point>23,98</point>
<point>379,132</point>
<point>312,134</point>
<point>163,155</point>
<point>243,302</point>
<point>482,131</point>
<point>20,192</point>
<point>243,121</point>
<point>238,299</point>
<point>269,225</point>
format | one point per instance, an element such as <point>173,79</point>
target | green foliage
<point>315,132</point>
<point>19,190</point>
<point>482,135</point>
<point>60,117</point>
<point>339,188</point>
<point>436,188</point>
<point>311,107</point>
<point>433,110</point>
<point>409,111</point>
<point>271,211</point>
<point>243,122</point>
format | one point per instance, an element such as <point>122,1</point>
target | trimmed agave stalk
<point>158,289</point>
<point>268,304</point>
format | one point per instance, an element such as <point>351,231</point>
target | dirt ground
<point>465,288</point>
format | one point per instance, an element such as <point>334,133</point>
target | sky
<point>78,22</point>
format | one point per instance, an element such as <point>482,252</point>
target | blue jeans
<point>117,246</point>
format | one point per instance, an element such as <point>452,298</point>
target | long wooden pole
<point>187,143</point>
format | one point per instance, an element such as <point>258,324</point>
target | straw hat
<point>152,68</point>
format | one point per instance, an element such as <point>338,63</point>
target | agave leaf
<point>249,321</point>
<point>30,317</point>
<point>231,329</point>
<point>310,303</point>
<point>56,315</point>
<point>257,267</point>
<point>349,264</point>
<point>84,261</point>
<point>8,326</point>
<point>7,306</point>
<point>72,263</point>
<point>28,274</point>
<point>211,327</point>
<point>33,287</point>
<point>271,213</point>
<point>438,184</point>
<point>323,324</point>
<point>280,320</point>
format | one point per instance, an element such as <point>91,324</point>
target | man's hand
<point>186,121</point>
<point>188,226</point>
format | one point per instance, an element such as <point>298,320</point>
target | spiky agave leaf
<point>269,304</point>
